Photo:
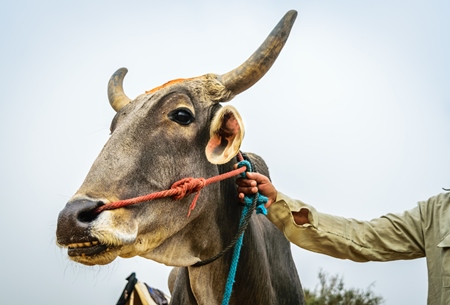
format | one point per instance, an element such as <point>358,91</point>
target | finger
<point>247,190</point>
<point>244,182</point>
<point>257,177</point>
<point>241,197</point>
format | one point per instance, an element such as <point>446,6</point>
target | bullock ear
<point>226,134</point>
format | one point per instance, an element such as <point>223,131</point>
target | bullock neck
<point>231,211</point>
<point>231,207</point>
<point>248,270</point>
<point>246,214</point>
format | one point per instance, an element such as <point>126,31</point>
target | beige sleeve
<point>390,237</point>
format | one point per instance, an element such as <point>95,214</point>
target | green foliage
<point>331,291</point>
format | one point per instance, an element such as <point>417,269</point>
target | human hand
<point>256,182</point>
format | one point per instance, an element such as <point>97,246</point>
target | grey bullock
<point>174,131</point>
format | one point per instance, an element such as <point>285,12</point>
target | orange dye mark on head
<point>174,81</point>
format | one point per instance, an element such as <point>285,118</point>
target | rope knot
<point>186,187</point>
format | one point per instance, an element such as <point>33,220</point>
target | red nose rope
<point>177,191</point>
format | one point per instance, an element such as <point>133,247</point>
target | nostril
<point>88,214</point>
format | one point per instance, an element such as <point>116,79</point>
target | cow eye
<point>182,116</point>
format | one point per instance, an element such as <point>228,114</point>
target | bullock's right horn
<point>254,68</point>
<point>116,96</point>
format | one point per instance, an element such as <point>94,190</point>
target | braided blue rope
<point>260,209</point>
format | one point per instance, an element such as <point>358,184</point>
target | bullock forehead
<point>203,88</point>
<point>171,82</point>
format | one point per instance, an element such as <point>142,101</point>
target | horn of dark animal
<point>254,68</point>
<point>116,96</point>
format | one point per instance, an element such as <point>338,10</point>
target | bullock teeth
<point>82,245</point>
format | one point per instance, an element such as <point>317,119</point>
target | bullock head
<point>174,131</point>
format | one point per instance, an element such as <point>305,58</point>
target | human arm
<point>386,238</point>
<point>390,237</point>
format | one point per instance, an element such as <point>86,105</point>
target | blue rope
<point>260,209</point>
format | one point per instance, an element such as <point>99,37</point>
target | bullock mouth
<point>92,252</point>
<point>89,248</point>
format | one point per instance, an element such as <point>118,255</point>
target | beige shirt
<point>423,231</point>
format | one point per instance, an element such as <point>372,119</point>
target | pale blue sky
<point>352,118</point>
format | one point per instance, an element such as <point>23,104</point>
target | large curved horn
<point>254,68</point>
<point>116,96</point>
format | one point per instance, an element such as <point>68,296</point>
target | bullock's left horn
<point>116,96</point>
<point>254,68</point>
